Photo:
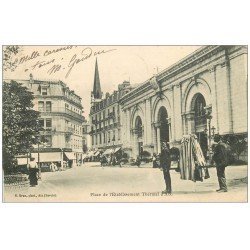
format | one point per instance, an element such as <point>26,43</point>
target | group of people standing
<point>221,156</point>
<point>35,171</point>
<point>110,160</point>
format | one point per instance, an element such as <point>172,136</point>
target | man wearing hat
<point>220,157</point>
<point>165,162</point>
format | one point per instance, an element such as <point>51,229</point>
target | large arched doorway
<point>139,134</point>
<point>164,126</point>
<point>200,121</point>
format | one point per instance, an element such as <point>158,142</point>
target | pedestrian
<point>138,161</point>
<point>33,172</point>
<point>165,163</point>
<point>53,167</point>
<point>220,157</point>
<point>59,166</point>
<point>155,165</point>
<point>120,163</point>
<point>103,160</point>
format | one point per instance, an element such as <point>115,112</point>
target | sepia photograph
<point>162,124</point>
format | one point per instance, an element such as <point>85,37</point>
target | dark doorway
<point>139,133</point>
<point>201,122</point>
<point>164,126</point>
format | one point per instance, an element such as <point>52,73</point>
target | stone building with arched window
<point>206,92</point>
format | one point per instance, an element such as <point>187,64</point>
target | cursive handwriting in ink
<point>54,69</point>
<point>85,54</point>
<point>54,51</point>
<point>102,52</point>
<point>26,58</point>
<point>40,64</point>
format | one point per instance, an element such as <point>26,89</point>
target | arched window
<point>200,113</point>
<point>164,126</point>
<point>138,126</point>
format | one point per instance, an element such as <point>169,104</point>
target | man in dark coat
<point>165,162</point>
<point>220,157</point>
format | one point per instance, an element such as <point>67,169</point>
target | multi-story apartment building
<point>85,137</point>
<point>61,119</point>
<point>105,123</point>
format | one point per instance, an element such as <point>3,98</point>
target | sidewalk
<point>88,183</point>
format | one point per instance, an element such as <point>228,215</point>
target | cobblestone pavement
<point>91,183</point>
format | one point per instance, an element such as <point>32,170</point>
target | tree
<point>20,123</point>
<point>237,142</point>
<point>8,53</point>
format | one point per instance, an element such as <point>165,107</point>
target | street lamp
<point>141,151</point>
<point>209,117</point>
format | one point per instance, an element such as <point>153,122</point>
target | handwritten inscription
<point>26,58</point>
<point>53,63</point>
<point>54,51</point>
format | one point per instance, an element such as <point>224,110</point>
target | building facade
<point>206,92</point>
<point>61,119</point>
<point>105,116</point>
<point>86,145</point>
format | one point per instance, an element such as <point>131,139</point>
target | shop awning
<point>84,156</point>
<point>47,157</point>
<point>91,153</point>
<point>117,149</point>
<point>108,151</point>
<point>22,161</point>
<point>97,153</point>
<point>70,155</point>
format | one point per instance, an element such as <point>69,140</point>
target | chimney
<point>31,79</point>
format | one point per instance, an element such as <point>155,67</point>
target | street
<point>91,183</point>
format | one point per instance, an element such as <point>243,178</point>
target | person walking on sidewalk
<point>220,157</point>
<point>33,172</point>
<point>103,161</point>
<point>155,165</point>
<point>165,162</point>
<point>138,161</point>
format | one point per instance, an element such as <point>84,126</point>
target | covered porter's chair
<point>192,161</point>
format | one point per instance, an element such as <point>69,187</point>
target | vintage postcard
<point>124,123</point>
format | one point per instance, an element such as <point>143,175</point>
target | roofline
<point>167,70</point>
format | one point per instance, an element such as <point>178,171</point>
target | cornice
<point>182,65</point>
<point>189,61</point>
<point>62,114</point>
<point>60,97</point>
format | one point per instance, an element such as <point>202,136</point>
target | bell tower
<point>96,94</point>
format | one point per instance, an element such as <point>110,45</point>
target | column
<point>215,120</point>
<point>184,127</point>
<point>170,129</point>
<point>148,124</point>
<point>190,122</point>
<point>158,137</point>
<point>177,123</point>
<point>128,118</point>
<point>173,116</point>
<point>154,139</point>
<point>223,86</point>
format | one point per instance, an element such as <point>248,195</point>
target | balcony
<point>69,131</point>
<point>64,111</point>
<point>48,130</point>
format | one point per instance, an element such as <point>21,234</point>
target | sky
<point>75,65</point>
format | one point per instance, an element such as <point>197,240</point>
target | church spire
<point>96,93</point>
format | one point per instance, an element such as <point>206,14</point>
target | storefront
<point>70,157</point>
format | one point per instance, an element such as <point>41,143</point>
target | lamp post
<point>113,154</point>
<point>209,117</point>
<point>62,158</point>
<point>141,150</point>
